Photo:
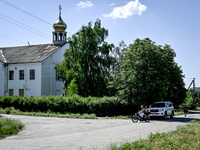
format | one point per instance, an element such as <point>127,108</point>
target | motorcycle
<point>137,117</point>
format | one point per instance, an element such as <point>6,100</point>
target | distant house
<point>29,70</point>
<point>197,89</point>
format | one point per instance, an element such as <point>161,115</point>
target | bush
<point>104,106</point>
<point>72,88</point>
<point>192,99</point>
<point>8,126</point>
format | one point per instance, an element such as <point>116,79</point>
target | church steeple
<point>59,33</point>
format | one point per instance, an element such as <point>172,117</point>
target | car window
<point>158,105</point>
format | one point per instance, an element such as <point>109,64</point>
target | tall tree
<point>149,73</point>
<point>88,60</point>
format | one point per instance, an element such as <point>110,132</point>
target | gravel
<point>48,133</point>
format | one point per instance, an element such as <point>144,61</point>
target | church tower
<point>59,33</point>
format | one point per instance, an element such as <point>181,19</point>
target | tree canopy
<point>88,60</point>
<point>149,73</point>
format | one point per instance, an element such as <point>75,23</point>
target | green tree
<point>149,73</point>
<point>192,99</point>
<point>88,60</point>
<point>72,88</point>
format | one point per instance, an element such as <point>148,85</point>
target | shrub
<point>7,110</point>
<point>104,106</point>
<point>72,88</point>
<point>8,126</point>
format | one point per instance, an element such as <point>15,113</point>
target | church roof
<point>27,54</point>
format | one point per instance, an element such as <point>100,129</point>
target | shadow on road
<point>182,119</point>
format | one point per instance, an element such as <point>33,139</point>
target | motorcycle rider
<point>141,112</point>
<point>146,111</point>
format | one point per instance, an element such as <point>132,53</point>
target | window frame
<point>21,76</point>
<point>32,74</point>
<point>11,76</point>
<point>21,92</point>
<point>58,77</point>
<point>11,92</point>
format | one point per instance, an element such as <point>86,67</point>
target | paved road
<point>46,133</point>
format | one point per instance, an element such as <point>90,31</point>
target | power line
<point>23,26</point>
<point>11,39</point>
<point>11,5</point>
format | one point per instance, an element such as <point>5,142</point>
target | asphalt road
<point>47,133</point>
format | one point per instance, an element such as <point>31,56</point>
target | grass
<point>184,138</point>
<point>9,127</point>
<point>67,115</point>
<point>48,114</point>
<point>177,113</point>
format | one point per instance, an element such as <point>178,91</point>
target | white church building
<point>30,70</point>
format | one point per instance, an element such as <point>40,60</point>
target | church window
<point>11,75</point>
<point>60,36</point>
<point>65,37</point>
<point>58,78</point>
<point>32,74</point>
<point>11,92</point>
<point>21,92</point>
<point>21,74</point>
<point>56,37</point>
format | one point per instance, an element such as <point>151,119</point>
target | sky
<point>172,22</point>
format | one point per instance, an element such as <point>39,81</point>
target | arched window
<point>60,36</point>
<point>56,37</point>
<point>65,37</point>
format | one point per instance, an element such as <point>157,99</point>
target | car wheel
<point>172,115</point>
<point>165,116</point>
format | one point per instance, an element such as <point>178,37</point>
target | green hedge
<point>105,106</point>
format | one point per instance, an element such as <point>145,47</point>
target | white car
<point>162,109</point>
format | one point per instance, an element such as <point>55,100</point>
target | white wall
<point>45,82</point>
<point>1,79</point>
<point>31,87</point>
<point>51,86</point>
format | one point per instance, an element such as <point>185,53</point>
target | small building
<point>30,70</point>
<point>197,89</point>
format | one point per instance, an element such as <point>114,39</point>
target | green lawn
<point>9,127</point>
<point>185,138</point>
<point>67,115</point>
<point>49,114</point>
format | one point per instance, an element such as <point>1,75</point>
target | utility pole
<point>193,89</point>
<point>192,83</point>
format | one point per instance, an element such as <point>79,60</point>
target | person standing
<point>185,109</point>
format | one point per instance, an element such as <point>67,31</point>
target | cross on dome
<point>60,8</point>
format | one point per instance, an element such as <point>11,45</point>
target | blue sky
<point>173,22</point>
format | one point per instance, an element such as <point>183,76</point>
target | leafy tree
<point>192,99</point>
<point>72,88</point>
<point>88,60</point>
<point>149,73</point>
<point>119,54</point>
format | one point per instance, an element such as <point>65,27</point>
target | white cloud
<point>112,4</point>
<point>85,4</point>
<point>128,10</point>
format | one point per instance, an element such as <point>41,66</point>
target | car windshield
<point>158,105</point>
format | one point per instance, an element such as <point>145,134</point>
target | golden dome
<point>59,25</point>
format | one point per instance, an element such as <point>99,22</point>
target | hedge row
<point>105,106</point>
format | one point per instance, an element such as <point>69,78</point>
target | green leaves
<point>88,60</point>
<point>149,73</point>
<point>72,88</point>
